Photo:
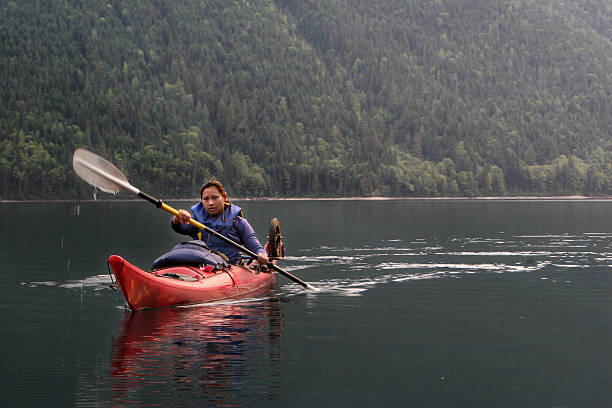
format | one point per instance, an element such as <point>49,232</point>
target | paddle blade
<point>98,172</point>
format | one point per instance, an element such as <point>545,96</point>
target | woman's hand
<point>182,217</point>
<point>262,258</point>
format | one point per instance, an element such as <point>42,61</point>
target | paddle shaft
<point>160,204</point>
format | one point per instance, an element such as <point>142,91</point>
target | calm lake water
<point>458,303</point>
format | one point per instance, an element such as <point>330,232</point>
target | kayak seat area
<point>187,274</point>
<point>190,253</point>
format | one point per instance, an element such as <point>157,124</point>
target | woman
<point>218,214</point>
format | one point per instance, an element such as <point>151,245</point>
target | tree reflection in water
<point>219,354</point>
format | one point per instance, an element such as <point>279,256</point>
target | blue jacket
<point>230,224</point>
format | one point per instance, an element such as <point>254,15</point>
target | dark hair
<point>213,183</point>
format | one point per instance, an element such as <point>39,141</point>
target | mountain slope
<point>287,98</point>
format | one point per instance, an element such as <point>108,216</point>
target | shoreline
<point>381,198</point>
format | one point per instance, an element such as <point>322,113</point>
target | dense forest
<point>309,98</point>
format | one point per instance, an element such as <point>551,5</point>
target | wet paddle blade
<point>99,172</point>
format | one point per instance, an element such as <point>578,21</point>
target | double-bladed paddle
<point>104,175</point>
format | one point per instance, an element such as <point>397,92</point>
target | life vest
<point>224,225</point>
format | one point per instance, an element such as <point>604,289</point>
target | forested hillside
<point>309,98</point>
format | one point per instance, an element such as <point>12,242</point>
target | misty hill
<point>307,98</point>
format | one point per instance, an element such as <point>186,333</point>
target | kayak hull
<point>185,285</point>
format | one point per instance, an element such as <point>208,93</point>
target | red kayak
<point>185,285</point>
<point>192,273</point>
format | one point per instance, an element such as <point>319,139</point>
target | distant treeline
<point>309,98</point>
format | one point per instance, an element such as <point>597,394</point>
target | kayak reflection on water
<point>205,350</point>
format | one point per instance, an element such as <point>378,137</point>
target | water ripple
<point>351,271</point>
<point>363,269</point>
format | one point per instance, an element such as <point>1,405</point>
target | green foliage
<point>309,98</point>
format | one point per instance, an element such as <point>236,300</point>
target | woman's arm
<point>181,224</point>
<point>250,241</point>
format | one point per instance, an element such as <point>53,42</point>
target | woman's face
<point>213,201</point>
